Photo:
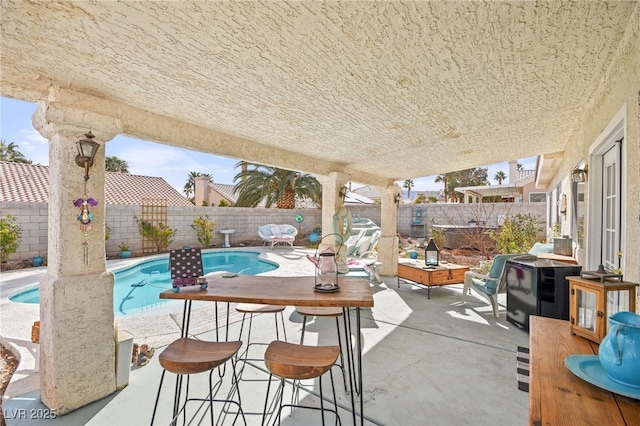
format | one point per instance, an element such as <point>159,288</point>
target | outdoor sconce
<point>579,175</point>
<point>397,198</point>
<point>87,149</point>
<point>431,254</point>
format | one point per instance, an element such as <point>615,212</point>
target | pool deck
<point>156,326</point>
<point>441,361</point>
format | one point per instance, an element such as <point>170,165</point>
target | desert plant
<point>223,203</point>
<point>517,235</point>
<point>204,229</point>
<point>10,233</point>
<point>123,247</point>
<point>107,232</point>
<point>437,234</point>
<point>160,234</point>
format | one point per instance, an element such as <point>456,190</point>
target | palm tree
<point>114,164</point>
<point>190,186</point>
<point>9,152</point>
<point>500,176</point>
<point>257,182</point>
<point>443,179</point>
<point>408,184</point>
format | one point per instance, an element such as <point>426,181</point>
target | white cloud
<point>33,146</point>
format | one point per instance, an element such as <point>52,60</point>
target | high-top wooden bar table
<point>556,395</point>
<point>287,291</point>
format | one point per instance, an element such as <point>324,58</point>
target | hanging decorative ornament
<point>85,217</point>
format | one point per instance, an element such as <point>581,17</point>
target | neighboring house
<point>210,194</point>
<point>30,183</point>
<point>366,192</point>
<point>522,187</point>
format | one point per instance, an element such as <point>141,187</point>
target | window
<point>537,197</point>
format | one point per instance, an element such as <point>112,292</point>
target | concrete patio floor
<point>436,361</point>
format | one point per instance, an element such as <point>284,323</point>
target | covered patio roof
<point>380,91</point>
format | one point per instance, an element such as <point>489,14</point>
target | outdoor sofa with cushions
<point>277,234</point>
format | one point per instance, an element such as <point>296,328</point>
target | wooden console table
<point>440,275</point>
<point>556,395</point>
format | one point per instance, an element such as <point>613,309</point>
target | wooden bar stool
<point>251,309</point>
<point>299,362</point>
<point>324,311</point>
<point>187,356</point>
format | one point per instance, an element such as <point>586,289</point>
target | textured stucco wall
<point>621,86</point>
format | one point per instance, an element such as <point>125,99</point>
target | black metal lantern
<point>431,254</point>
<point>87,150</point>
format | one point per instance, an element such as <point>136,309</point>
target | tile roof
<point>225,190</point>
<point>30,183</point>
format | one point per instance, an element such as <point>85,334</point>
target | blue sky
<point>155,159</point>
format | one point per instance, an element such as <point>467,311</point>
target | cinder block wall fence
<point>32,218</point>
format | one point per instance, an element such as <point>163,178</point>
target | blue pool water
<point>137,287</point>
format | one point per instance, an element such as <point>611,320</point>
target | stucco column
<point>388,243</point>
<point>331,202</point>
<point>77,339</point>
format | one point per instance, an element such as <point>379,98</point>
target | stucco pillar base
<point>80,345</point>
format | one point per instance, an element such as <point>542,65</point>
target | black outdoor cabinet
<point>537,287</point>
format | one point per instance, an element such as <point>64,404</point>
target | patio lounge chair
<point>352,242</point>
<point>365,257</point>
<point>488,285</point>
<point>277,234</point>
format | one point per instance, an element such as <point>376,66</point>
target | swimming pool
<point>137,287</point>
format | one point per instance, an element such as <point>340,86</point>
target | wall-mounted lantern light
<point>87,149</point>
<point>579,175</point>
<point>397,198</point>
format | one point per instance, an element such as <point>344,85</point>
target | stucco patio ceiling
<point>381,91</point>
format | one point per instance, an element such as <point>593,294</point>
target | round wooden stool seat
<point>319,311</point>
<point>299,362</point>
<point>190,356</point>
<point>255,308</point>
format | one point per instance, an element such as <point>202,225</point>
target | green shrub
<point>160,234</point>
<point>10,233</point>
<point>204,230</point>
<point>517,234</point>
